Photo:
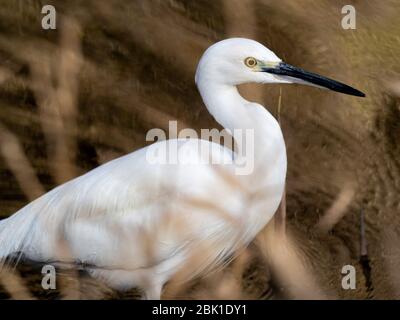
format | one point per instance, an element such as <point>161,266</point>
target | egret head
<point>238,60</point>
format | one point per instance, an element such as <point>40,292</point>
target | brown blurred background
<point>87,92</point>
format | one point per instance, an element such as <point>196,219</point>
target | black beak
<point>284,69</point>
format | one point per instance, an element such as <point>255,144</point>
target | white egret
<point>103,215</point>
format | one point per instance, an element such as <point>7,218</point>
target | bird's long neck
<point>234,112</point>
<point>225,104</point>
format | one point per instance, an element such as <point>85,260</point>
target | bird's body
<point>172,211</point>
<point>135,223</point>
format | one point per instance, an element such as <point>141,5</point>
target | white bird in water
<point>136,223</point>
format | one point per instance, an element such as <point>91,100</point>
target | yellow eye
<point>250,62</point>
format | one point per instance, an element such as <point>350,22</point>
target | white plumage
<point>108,217</point>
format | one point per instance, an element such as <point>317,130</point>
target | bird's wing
<point>120,215</point>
